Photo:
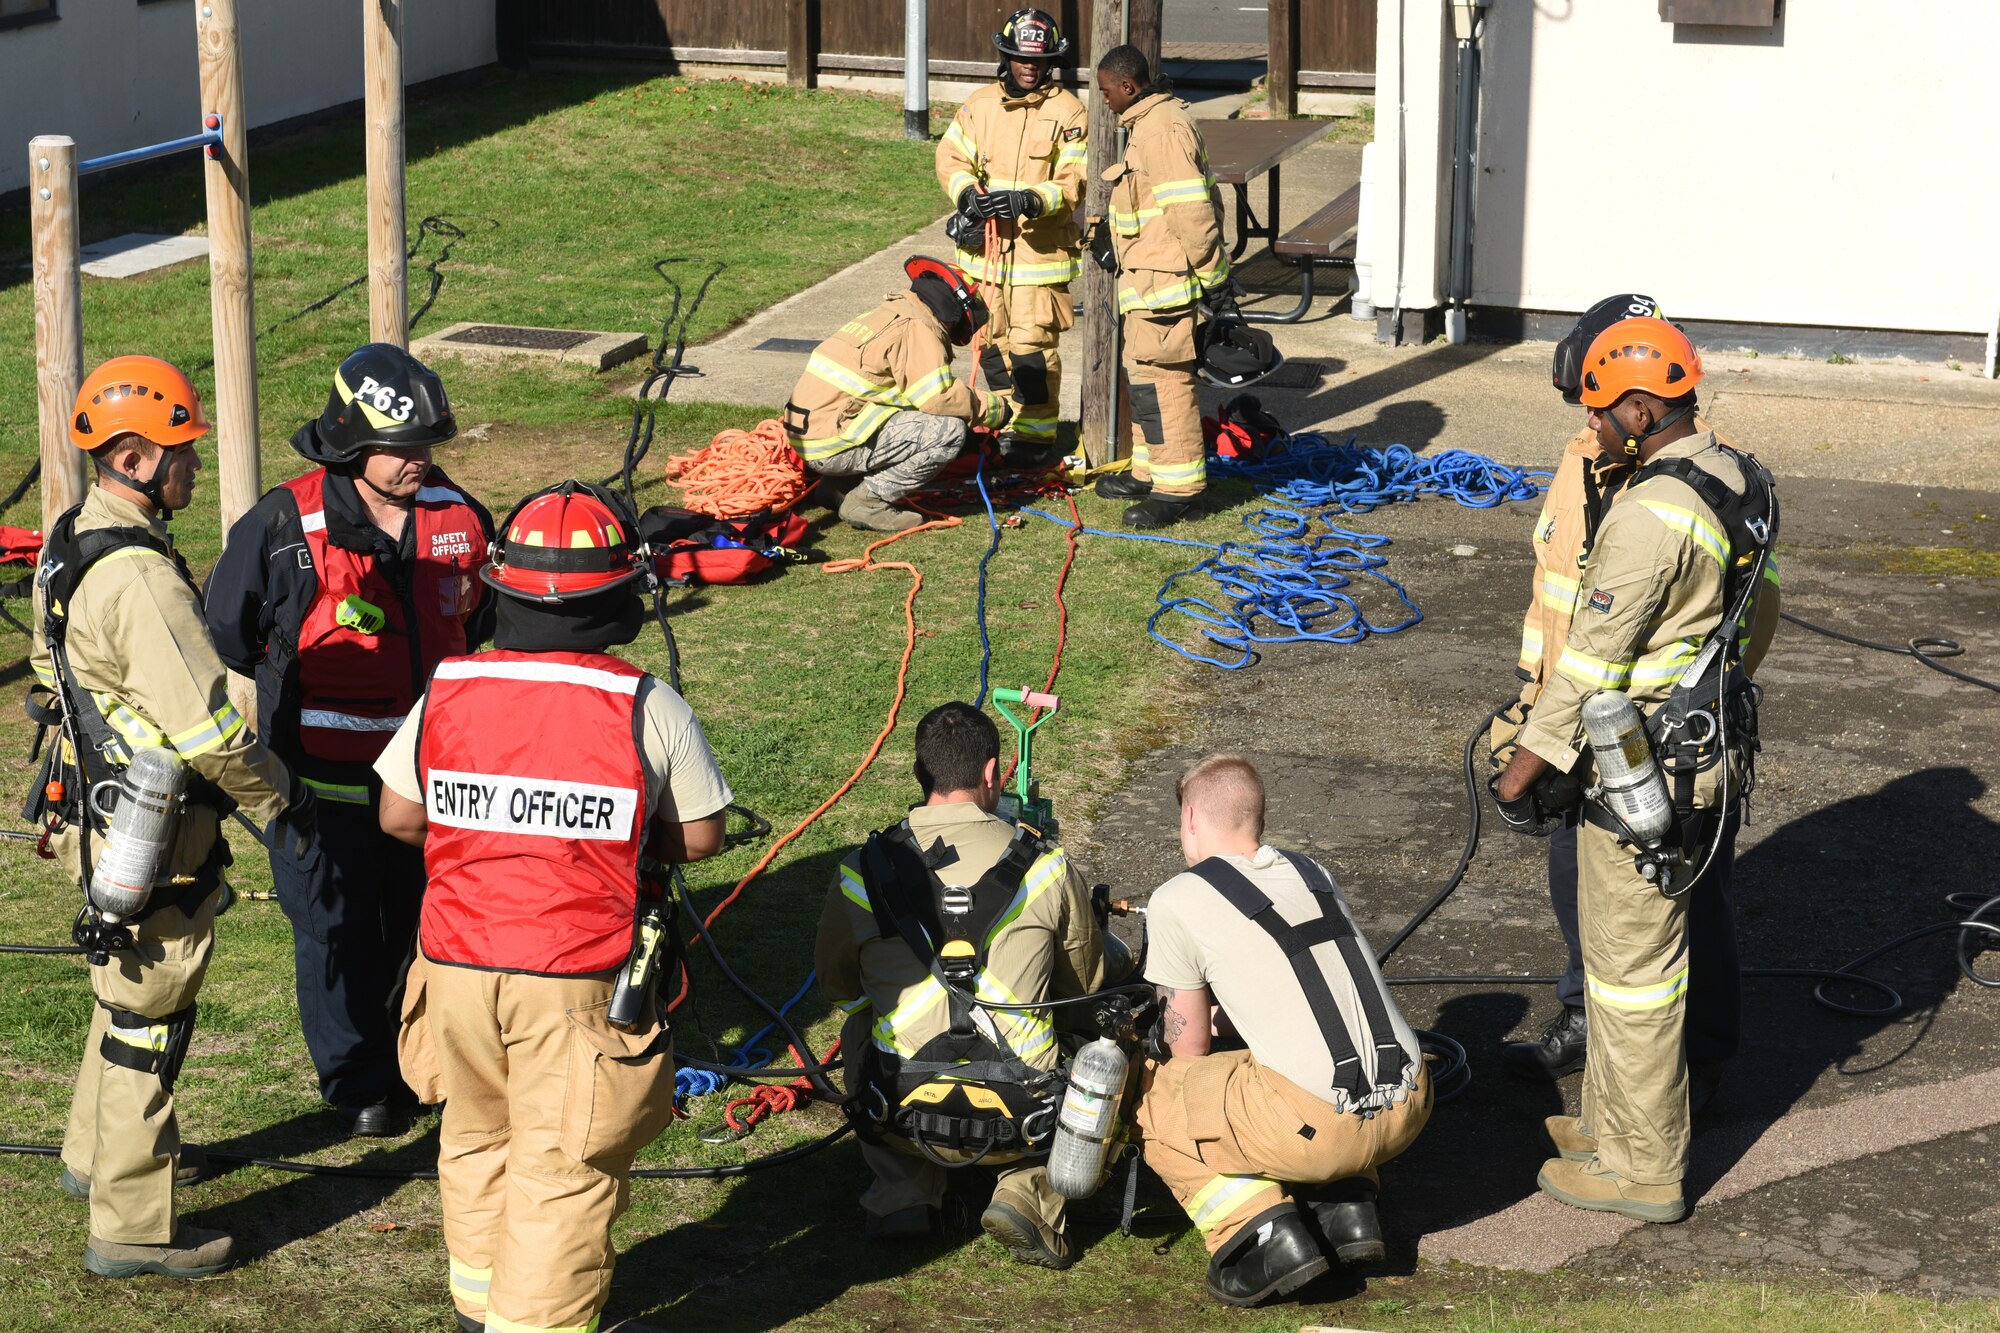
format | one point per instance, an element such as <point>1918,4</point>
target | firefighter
<point>1671,563</point>
<point>122,662</point>
<point>1013,163</point>
<point>1588,479</point>
<point>1287,1067</point>
<point>878,401</point>
<point>1166,230</point>
<point>1027,934</point>
<point>542,778</point>
<point>340,591</point>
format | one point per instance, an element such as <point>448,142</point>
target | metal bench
<point>1325,237</point>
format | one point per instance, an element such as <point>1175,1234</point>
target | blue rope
<point>701,1082</point>
<point>1314,473</point>
<point>985,642</point>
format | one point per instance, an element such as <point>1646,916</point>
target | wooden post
<point>1097,420</point>
<point>388,260</point>
<point>1143,30</point>
<point>232,302</point>
<point>58,317</point>
<point>1282,84</point>
<point>802,43</point>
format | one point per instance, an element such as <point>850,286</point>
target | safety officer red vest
<point>536,796</point>
<point>361,667</point>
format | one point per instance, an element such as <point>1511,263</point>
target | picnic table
<point>1239,151</point>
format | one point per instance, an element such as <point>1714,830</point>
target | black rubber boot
<point>1558,1051</point>
<point>1273,1255</point>
<point>1157,511</point>
<point>1122,486</point>
<point>1343,1213</point>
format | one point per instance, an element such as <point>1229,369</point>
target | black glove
<point>1103,250</point>
<point>299,823</point>
<point>1016,204</point>
<point>987,204</point>
<point>1538,811</point>
<point>967,231</point>
<point>993,369</point>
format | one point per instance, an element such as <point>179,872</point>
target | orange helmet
<point>571,540</point>
<point>1639,353</point>
<point>137,395</point>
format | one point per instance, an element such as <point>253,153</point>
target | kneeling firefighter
<point>149,757</point>
<point>1667,611</point>
<point>545,780</point>
<point>934,920</point>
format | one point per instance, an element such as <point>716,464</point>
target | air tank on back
<point>1634,788</point>
<point>142,832</point>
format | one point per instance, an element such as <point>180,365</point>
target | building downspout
<point>1468,22</point>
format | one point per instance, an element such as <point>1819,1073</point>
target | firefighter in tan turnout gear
<point>879,402</point>
<point>1013,162</point>
<point>955,874</point>
<point>1166,230</point>
<point>1665,619</point>
<point>1325,1081</point>
<point>125,670</point>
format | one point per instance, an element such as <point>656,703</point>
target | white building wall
<point>1834,171</point>
<point>117,74</point>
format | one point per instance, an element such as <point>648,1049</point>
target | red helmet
<point>971,311</point>
<point>571,540</point>
<point>1643,352</point>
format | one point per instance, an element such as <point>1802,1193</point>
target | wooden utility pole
<point>802,43</point>
<point>1282,85</point>
<point>58,317</point>
<point>388,258</point>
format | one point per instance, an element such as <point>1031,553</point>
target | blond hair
<point>1227,790</point>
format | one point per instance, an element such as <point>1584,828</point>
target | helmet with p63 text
<point>1031,34</point>
<point>382,398</point>
<point>942,287</point>
<point>1567,372</point>
<point>570,541</point>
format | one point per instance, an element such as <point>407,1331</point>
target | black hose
<point>1926,650</point>
<point>21,487</point>
<point>1457,876</point>
<point>662,373</point>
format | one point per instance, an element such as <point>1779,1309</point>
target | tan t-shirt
<point>1195,938</point>
<point>683,783</point>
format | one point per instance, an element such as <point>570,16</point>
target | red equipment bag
<point>1242,429</point>
<point>701,548</point>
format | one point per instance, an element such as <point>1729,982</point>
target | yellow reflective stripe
<point>1128,224</point>
<point>1047,869</point>
<point>1192,191</point>
<point>1213,276</point>
<point>1531,647</point>
<point>496,1324</point>
<point>46,675</point>
<point>854,889</point>
<point>1691,525</point>
<point>996,411</point>
<point>1770,575</point>
<point>955,135</point>
<point>1223,1197</point>
<point>470,1284</point>
<point>127,553</point>
<point>1667,663</point>
<point>198,741</point>
<point>1022,273</point>
<point>926,997</point>
<point>852,1006</point>
<point>840,377</point>
<point>1028,1032</point>
<point>1593,671</point>
<point>336,791</point>
<point>1072,154</point>
<point>1558,593</point>
<point>930,386</point>
<point>1052,196</point>
<point>1142,455</point>
<point>129,726</point>
<point>152,1037</point>
<point>1639,997</point>
<point>1036,427</point>
<point>1164,298</point>
<point>1178,474</point>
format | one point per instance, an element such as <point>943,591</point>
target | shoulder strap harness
<point>1298,942</point>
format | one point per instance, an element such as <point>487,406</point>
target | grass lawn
<point>569,187</point>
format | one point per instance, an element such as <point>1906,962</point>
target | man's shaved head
<point>1226,793</point>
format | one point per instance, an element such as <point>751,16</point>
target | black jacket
<point>259,592</point>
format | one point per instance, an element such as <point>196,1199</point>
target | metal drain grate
<point>506,335</point>
<point>1295,375</point>
<point>785,345</point>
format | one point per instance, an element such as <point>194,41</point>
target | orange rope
<point>742,472</point>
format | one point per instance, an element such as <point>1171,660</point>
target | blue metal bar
<point>210,139</point>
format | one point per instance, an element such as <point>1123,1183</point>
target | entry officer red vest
<point>356,686</point>
<point>536,795</point>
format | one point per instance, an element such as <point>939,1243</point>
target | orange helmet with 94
<point>570,541</point>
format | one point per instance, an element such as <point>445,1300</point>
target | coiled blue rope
<point>1312,472</point>
<point>701,1082</point>
<point>992,549</point>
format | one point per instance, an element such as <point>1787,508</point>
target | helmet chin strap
<point>1667,422</point>
<point>400,501</point>
<point>151,489</point>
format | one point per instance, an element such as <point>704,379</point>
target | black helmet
<point>942,287</point>
<point>1567,372</point>
<point>382,398</point>
<point>1031,34</point>
<point>1230,354</point>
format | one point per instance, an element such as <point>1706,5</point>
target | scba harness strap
<point>966,1090</point>
<point>1298,941</point>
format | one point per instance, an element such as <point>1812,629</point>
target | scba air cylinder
<point>142,832</point>
<point>1634,788</point>
<point>1088,1120</point>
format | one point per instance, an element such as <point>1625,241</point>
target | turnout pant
<point>122,1134</point>
<point>1715,989</point>
<point>1036,318</point>
<point>1228,1136</point>
<point>1158,410</point>
<point>353,904</point>
<point>908,450</point>
<point>545,1106</point>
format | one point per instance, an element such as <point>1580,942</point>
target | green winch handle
<point>1024,732</point>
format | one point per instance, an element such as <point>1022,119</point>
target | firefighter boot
<point>193,1252</point>
<point>864,509</point>
<point>1122,486</point>
<point>1014,1223</point>
<point>913,1223</point>
<point>1568,1137</point>
<point>1558,1051</point>
<point>1592,1186</point>
<point>1343,1213</point>
<point>189,1170</point>
<point>1157,511</point>
<point>1273,1255</point>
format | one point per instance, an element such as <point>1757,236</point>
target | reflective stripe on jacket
<point>535,790</point>
<point>1037,142</point>
<point>1166,213</point>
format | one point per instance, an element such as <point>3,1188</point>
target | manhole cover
<point>503,335</point>
<point>1295,375</point>
<point>785,345</point>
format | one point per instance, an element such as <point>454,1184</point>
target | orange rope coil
<point>741,472</point>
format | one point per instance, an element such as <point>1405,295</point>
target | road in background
<point>1186,22</point>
